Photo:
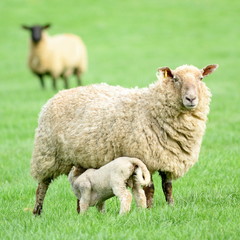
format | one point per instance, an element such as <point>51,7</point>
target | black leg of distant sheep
<point>78,76</point>
<point>167,187</point>
<point>41,80</point>
<point>40,195</point>
<point>54,83</point>
<point>65,79</point>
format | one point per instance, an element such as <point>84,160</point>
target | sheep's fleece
<point>92,125</point>
<point>94,186</point>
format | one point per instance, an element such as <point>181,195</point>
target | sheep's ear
<point>26,27</point>
<point>209,69</point>
<point>46,26</point>
<point>165,71</point>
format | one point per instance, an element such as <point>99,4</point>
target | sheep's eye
<point>201,78</point>
<point>175,79</point>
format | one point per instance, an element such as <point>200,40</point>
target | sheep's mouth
<point>190,106</point>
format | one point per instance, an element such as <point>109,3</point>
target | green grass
<point>127,41</point>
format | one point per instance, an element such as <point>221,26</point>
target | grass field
<point>127,41</point>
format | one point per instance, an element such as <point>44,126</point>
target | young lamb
<point>94,186</point>
<point>90,126</point>
<point>57,56</point>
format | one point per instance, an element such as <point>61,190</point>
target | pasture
<point>127,41</point>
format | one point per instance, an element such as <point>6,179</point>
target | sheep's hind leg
<point>40,195</point>
<point>167,187</point>
<point>78,77</point>
<point>54,85</point>
<point>65,79</point>
<point>149,192</point>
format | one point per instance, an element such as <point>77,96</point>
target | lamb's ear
<point>209,69</point>
<point>46,26</point>
<point>25,27</point>
<point>165,71</point>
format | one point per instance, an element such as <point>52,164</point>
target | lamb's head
<point>186,81</point>
<point>36,31</point>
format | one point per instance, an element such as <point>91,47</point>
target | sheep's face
<point>186,81</point>
<point>36,32</point>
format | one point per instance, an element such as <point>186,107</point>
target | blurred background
<point>126,42</point>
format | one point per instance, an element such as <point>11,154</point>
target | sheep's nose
<point>190,99</point>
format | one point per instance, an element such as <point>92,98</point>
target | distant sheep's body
<point>94,186</point>
<point>90,126</point>
<point>57,56</point>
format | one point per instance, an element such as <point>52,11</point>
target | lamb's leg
<point>40,195</point>
<point>167,187</point>
<point>139,195</point>
<point>101,207</point>
<point>149,192</point>
<point>85,189</point>
<point>125,198</point>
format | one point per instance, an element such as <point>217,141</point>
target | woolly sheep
<point>57,56</point>
<point>89,126</point>
<point>94,186</point>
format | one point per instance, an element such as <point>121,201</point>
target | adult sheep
<point>58,56</point>
<point>162,125</point>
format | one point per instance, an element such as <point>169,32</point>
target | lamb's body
<point>94,186</point>
<point>90,126</point>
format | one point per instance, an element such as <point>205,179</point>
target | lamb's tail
<point>142,175</point>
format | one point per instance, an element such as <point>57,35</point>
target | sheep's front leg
<point>125,198</point>
<point>40,195</point>
<point>40,76</point>
<point>149,192</point>
<point>167,186</point>
<point>139,195</point>
<point>78,205</point>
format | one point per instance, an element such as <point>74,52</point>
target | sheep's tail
<point>141,173</point>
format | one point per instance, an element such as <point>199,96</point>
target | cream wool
<point>90,126</point>
<point>94,186</point>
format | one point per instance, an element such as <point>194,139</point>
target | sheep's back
<point>87,125</point>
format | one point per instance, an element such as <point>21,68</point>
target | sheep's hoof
<point>37,210</point>
<point>170,202</point>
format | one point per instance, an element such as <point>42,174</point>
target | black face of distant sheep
<point>187,83</point>
<point>36,31</point>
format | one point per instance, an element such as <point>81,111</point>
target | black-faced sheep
<point>57,56</point>
<point>162,125</point>
<point>94,186</point>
